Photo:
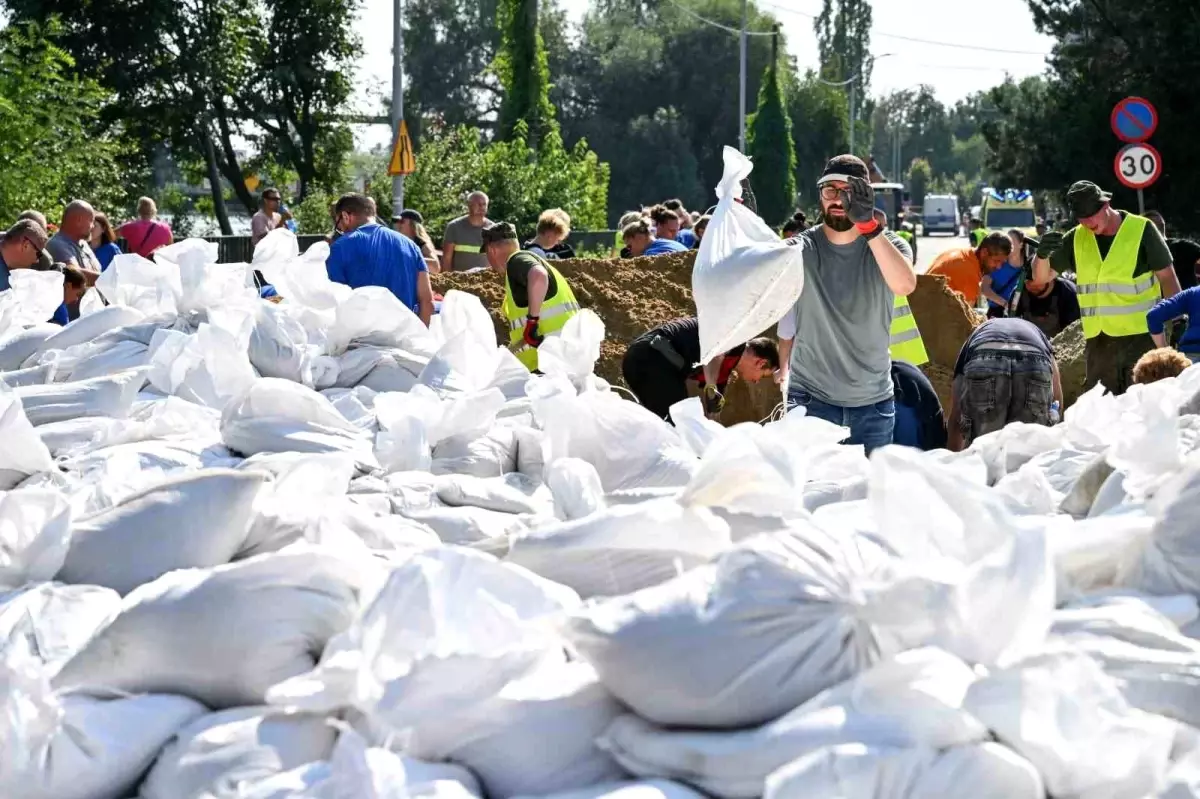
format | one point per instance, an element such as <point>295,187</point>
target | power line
<point>716,24</point>
<point>931,42</point>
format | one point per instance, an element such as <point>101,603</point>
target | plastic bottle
<point>1055,412</point>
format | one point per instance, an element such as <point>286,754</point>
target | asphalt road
<point>930,247</point>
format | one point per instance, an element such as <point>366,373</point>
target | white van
<point>940,214</point>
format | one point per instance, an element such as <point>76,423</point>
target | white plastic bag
<point>449,628</point>
<point>215,755</point>
<point>194,521</point>
<point>645,789</point>
<point>111,396</point>
<point>573,353</point>
<point>576,488</point>
<point>91,326</point>
<point>134,283</point>
<point>745,279</point>
<point>35,531</point>
<point>54,621</point>
<point>1062,713</point>
<point>372,316</point>
<point>856,771</point>
<point>22,452</point>
<point>32,298</point>
<point>911,700</point>
<point>510,493</point>
<point>224,636</point>
<point>17,345</point>
<point>771,623</point>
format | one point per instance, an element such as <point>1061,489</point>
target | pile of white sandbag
<point>315,549</point>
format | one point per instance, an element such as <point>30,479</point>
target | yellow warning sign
<point>403,162</point>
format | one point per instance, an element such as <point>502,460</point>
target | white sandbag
<point>573,353</point>
<point>91,326</point>
<point>176,635</point>
<point>110,396</point>
<point>771,623</point>
<point>33,376</point>
<point>31,299</point>
<point>54,621</point>
<point>487,530</point>
<point>911,700</point>
<point>209,367</point>
<point>645,789</point>
<point>504,739</point>
<point>576,488</point>
<point>745,279</point>
<point>357,771</point>
<point>356,405</point>
<point>138,284</point>
<point>278,345</point>
<point>394,372</point>
<point>212,757</point>
<point>628,445</point>
<point>275,415</point>
<point>510,493</point>
<point>857,771</point>
<point>35,532</point>
<point>532,450</point>
<point>491,454</point>
<point>194,521</point>
<point>448,629</point>
<point>1062,713</point>
<point>1008,449</point>
<point>17,345</point>
<point>999,573</point>
<point>22,452</point>
<point>372,316</point>
<point>1169,561</point>
<point>100,361</point>
<point>412,491</point>
<point>169,418</point>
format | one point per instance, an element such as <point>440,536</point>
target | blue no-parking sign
<point>1134,120</point>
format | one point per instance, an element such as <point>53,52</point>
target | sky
<point>953,71</point>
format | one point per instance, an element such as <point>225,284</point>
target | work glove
<point>714,400</point>
<point>531,336</point>
<point>1051,242</point>
<point>859,202</point>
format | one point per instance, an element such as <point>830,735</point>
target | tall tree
<point>820,129</point>
<point>523,71</point>
<point>772,148</point>
<point>843,30</point>
<point>920,175</point>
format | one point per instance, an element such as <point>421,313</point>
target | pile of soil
<point>633,295</point>
<point>1072,362</point>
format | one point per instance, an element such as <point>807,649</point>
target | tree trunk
<point>230,166</point>
<point>214,182</point>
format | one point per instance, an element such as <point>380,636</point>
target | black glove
<point>714,400</point>
<point>1051,242</point>
<point>531,335</point>
<point>859,201</point>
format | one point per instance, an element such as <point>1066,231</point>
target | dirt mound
<point>943,317</point>
<point>633,295</point>
<point>1072,362</point>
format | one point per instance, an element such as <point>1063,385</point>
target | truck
<point>940,214</point>
<point>1006,209</point>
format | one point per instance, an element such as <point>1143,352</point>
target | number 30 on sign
<point>1138,165</point>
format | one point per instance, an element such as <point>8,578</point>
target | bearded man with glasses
<point>833,344</point>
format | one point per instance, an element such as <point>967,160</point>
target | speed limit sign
<point>1138,165</point>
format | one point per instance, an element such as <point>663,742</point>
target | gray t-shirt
<point>468,244</point>
<point>841,323</point>
<point>64,250</point>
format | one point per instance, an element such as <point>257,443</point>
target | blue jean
<point>998,387</point>
<point>870,425</point>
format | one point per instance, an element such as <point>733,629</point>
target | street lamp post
<point>742,84</point>
<point>397,95</point>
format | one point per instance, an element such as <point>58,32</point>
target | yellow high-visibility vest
<point>556,312</point>
<point>1111,300</point>
<point>977,236</point>
<point>906,343</point>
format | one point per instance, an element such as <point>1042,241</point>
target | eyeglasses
<point>831,192</point>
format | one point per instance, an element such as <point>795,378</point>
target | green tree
<point>920,175</point>
<point>843,31</point>
<point>524,71</point>
<point>820,129</point>
<point>52,144</point>
<point>773,151</point>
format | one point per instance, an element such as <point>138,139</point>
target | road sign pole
<point>397,95</point>
<point>1141,203</point>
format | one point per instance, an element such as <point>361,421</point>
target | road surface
<point>930,247</point>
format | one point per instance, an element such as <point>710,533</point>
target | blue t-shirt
<point>1004,282</point>
<point>61,316</point>
<point>1185,302</point>
<point>664,246</point>
<point>105,253</point>
<point>374,255</point>
<point>687,238</point>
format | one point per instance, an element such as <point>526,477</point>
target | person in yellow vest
<point>538,301</point>
<point>906,343</point>
<point>1122,268</point>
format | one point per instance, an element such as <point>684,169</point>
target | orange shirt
<point>962,271</point>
